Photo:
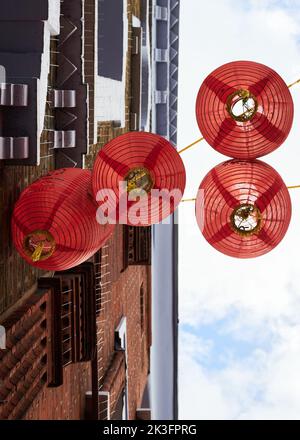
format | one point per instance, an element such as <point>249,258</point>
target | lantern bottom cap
<point>139,178</point>
<point>246,219</point>
<point>39,245</point>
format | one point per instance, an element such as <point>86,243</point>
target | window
<point>110,83</point>
<point>142,307</point>
<point>121,344</point>
<point>110,39</point>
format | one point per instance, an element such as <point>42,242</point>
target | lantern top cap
<point>242,105</point>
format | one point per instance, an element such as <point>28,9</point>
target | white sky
<point>239,354</point>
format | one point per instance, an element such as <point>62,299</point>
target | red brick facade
<point>129,296</point>
<point>54,395</point>
<point>66,402</point>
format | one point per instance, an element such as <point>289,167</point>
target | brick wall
<point>23,364</point>
<point>31,360</point>
<point>66,402</point>
<point>123,299</point>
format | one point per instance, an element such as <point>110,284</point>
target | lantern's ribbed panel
<point>267,129</point>
<point>141,149</point>
<point>234,183</point>
<point>62,204</point>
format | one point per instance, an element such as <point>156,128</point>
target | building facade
<point>69,97</point>
<point>165,53</point>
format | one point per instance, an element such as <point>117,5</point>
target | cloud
<point>263,385</point>
<point>204,399</point>
<point>251,302</point>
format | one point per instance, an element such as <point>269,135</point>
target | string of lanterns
<point>244,110</point>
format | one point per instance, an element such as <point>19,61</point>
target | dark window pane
<point>110,39</point>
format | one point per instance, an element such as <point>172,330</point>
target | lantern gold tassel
<point>36,256</point>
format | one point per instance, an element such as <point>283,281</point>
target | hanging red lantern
<point>243,208</point>
<point>54,223</point>
<point>244,110</point>
<point>149,167</point>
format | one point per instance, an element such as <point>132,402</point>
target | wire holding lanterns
<point>191,145</point>
<point>294,83</point>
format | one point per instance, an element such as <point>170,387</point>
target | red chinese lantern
<point>244,110</point>
<point>150,167</point>
<point>243,208</point>
<point>54,223</point>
